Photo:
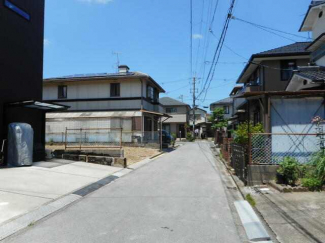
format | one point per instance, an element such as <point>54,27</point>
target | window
<point>226,109</point>
<point>115,90</point>
<point>17,10</point>
<point>62,92</point>
<point>171,110</point>
<point>287,68</point>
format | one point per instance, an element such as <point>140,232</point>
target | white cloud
<point>197,36</point>
<point>96,1</point>
<point>47,42</point>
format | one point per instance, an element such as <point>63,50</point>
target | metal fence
<point>80,138</point>
<point>272,148</point>
<point>239,161</point>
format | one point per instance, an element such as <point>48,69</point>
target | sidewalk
<point>23,189</point>
<point>294,217</point>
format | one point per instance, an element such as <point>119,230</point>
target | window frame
<point>61,94</point>
<point>171,110</point>
<point>226,111</point>
<point>285,73</point>
<point>118,90</point>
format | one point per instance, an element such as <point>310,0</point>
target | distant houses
<point>180,116</point>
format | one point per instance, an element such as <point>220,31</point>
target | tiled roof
<point>167,101</point>
<point>98,75</point>
<point>295,48</point>
<point>315,74</point>
<point>223,101</point>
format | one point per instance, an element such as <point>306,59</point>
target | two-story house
<point>266,73</point>
<point>312,77</point>
<point>126,100</point>
<point>21,70</point>
<point>180,116</point>
<point>226,104</point>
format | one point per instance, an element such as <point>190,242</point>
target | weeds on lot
<point>250,200</point>
<point>312,174</point>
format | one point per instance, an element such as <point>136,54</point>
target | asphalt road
<point>178,197</point>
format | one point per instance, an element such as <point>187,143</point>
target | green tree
<point>218,119</point>
<point>241,134</point>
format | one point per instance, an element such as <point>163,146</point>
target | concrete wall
<point>260,174</point>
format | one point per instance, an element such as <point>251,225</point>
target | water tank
<point>20,144</point>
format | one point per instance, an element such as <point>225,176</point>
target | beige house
<point>127,100</point>
<point>180,116</point>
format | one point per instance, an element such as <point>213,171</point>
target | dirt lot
<point>132,154</point>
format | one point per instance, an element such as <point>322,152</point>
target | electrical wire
<point>272,29</point>
<point>217,51</point>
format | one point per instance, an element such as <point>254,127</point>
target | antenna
<point>118,59</point>
<point>181,97</point>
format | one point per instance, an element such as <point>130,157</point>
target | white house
<point>201,121</point>
<point>180,116</point>
<point>126,100</point>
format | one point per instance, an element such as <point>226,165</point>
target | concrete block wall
<point>260,174</point>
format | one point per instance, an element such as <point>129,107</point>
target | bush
<point>189,137</point>
<point>318,162</point>
<point>313,184</point>
<point>289,170</point>
<point>241,134</point>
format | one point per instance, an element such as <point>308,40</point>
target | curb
<point>30,218</point>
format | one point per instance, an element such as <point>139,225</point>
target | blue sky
<point>153,36</point>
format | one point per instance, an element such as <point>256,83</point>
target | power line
<point>191,37</point>
<point>214,14</point>
<point>176,81</point>
<point>217,51</point>
<point>265,27</point>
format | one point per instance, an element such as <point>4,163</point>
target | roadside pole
<point>194,106</point>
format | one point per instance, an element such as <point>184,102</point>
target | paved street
<point>178,197</point>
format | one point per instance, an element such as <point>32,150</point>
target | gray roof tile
<point>315,74</point>
<point>228,100</point>
<point>167,101</point>
<point>295,48</point>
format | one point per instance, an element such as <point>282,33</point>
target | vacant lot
<point>133,154</point>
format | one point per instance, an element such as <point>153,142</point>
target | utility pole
<point>194,98</point>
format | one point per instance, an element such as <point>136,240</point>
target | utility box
<point>20,144</point>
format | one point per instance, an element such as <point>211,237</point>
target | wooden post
<point>65,139</point>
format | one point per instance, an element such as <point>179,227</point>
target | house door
<point>181,131</point>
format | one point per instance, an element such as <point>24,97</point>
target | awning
<point>156,113</point>
<point>46,106</point>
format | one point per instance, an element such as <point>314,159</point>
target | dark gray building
<point>21,68</point>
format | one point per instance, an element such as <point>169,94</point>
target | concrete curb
<point>240,189</point>
<point>29,219</point>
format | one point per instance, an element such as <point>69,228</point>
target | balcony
<point>252,88</point>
